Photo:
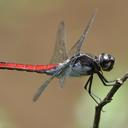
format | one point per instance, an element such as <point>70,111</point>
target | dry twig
<point>107,99</point>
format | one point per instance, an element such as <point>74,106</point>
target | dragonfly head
<point>106,61</point>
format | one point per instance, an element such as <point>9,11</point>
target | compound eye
<point>107,66</point>
<point>106,61</point>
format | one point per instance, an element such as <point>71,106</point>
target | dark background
<point>27,35</point>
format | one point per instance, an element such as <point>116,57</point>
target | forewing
<point>60,52</point>
<point>75,50</point>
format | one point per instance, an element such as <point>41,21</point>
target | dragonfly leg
<point>105,81</point>
<point>89,85</point>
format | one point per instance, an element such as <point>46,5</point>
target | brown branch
<point>108,99</point>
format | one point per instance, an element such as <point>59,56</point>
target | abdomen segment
<point>27,67</point>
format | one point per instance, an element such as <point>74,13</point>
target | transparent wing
<point>62,80</point>
<point>42,88</point>
<point>60,53</point>
<point>77,46</point>
<point>46,83</point>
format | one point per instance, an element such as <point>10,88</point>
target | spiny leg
<point>89,85</point>
<point>105,81</point>
<point>91,93</point>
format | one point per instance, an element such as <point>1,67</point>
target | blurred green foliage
<point>5,119</point>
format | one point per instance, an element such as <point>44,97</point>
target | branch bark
<point>98,109</point>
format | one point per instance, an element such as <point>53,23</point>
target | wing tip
<point>61,24</point>
<point>35,98</point>
<point>94,13</point>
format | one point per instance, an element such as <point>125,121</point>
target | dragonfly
<point>74,63</point>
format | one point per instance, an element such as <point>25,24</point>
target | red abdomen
<point>27,67</point>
